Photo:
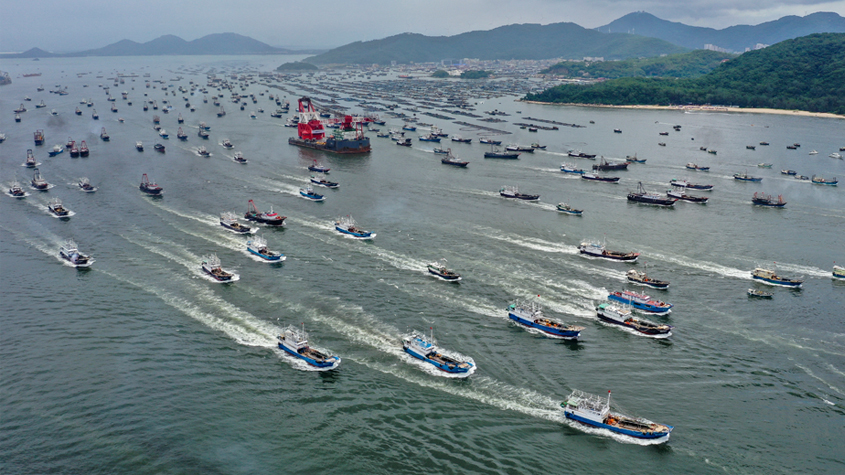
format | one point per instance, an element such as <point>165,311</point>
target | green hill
<point>806,73</point>
<point>525,41</point>
<point>683,65</point>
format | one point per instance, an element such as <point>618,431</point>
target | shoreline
<point>695,108</point>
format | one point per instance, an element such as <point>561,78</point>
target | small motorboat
<point>17,117</point>
<point>616,315</point>
<point>529,314</point>
<point>159,148</point>
<point>83,150</point>
<point>764,165</point>
<point>759,294</point>
<point>295,343</point>
<point>38,181</point>
<point>149,187</point>
<point>309,194</point>
<point>139,146</point>
<point>439,269</point>
<point>513,192</point>
<point>769,277</point>
<point>258,247</point>
<point>30,161</point>
<point>594,411</point>
<point>16,191</point>
<point>597,249</point>
<point>347,225</point>
<point>318,167</point>
<point>836,155</point>
<point>211,266</point>
<point>594,177</point>
<point>229,220</point>
<point>424,348</point>
<point>322,181</point>
<point>226,143</point>
<point>696,167</point>
<point>104,136</point>
<point>813,152</point>
<point>565,208</point>
<point>70,253</point>
<point>640,301</point>
<point>617,131</point>
<point>641,278</point>
<point>803,178</point>
<point>86,185</point>
<point>838,271</point>
<point>570,168</point>
<point>270,218</point>
<point>55,207</point>
<point>239,157</point>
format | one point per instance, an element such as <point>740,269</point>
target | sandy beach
<point>695,108</point>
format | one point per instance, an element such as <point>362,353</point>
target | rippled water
<point>142,365</point>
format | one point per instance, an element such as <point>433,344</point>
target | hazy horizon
<point>89,24</point>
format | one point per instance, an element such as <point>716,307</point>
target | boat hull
<point>452,369</point>
<point>618,430</point>
<point>778,282</point>
<point>331,145</point>
<point>640,305</point>
<point>644,331</point>
<point>364,235</point>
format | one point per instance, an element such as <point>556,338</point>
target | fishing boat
<point>633,159</point>
<point>696,167</point>
<point>30,161</point>
<point>450,159</point>
<point>38,182</point>
<point>139,146</point>
<point>163,134</point>
<point>597,249</point>
<point>439,269</point>
<point>54,112</point>
<point>322,181</point>
<point>496,153</point>
<point>594,177</point>
<point>83,149</point>
<point>229,220</point>
<point>604,165</point>
<point>55,207</point>
<point>74,150</point>
<point>211,266</point>
<point>459,139</point>
<point>86,185</point>
<point>295,343</point>
<point>836,155</point>
<point>203,134</point>
<point>817,180</point>
<point>16,191</point>
<point>425,349</point>
<point>802,177</point>
<point>769,277</point>
<point>22,108</point>
<point>57,149</point>
<point>38,137</point>
<point>640,301</point>
<point>270,218</point>
<point>309,194</point>
<point>746,177</point>
<point>570,168</point>
<point>318,167</point>
<point>565,208</point>
<point>227,144</point>
<point>617,315</point>
<point>429,138</point>
<point>181,135</point>
<point>159,148</point>
<point>764,165</point>
<point>346,225</point>
<point>580,154</point>
<point>519,148</point>
<point>641,196</point>
<point>221,112</point>
<point>813,152</point>
<point>180,120</point>
<point>70,253</point>
<point>788,172</point>
<point>104,136</point>
<point>409,128</point>
<point>70,143</point>
<point>404,142</point>
<point>641,278</point>
<point>77,111</point>
<point>537,146</point>
<point>594,411</point>
<point>759,294</point>
<point>761,199</point>
<point>838,271</point>
<point>486,141</point>
<point>617,131</point>
<point>692,186</point>
<point>258,247</point>
<point>239,157</point>
<point>114,107</point>
<point>530,314</point>
<point>513,192</point>
<point>764,143</point>
<point>679,192</point>
<point>17,117</point>
<point>148,187</point>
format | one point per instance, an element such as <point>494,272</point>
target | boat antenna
<point>608,398</point>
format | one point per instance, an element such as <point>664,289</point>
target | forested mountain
<point>805,73</point>
<point>523,41</point>
<point>682,65</point>
<point>734,38</point>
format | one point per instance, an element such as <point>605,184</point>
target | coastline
<point>696,108</point>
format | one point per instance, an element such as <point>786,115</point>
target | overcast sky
<point>74,25</point>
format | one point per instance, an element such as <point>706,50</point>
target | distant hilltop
<point>214,44</point>
<point>732,39</point>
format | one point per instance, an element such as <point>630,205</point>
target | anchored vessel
<point>619,316</point>
<point>211,266</point>
<point>595,411</point>
<point>271,218</point>
<point>348,138</point>
<point>440,270</point>
<point>596,249</point>
<point>640,301</point>
<point>530,314</point>
<point>229,221</point>
<point>769,277</point>
<point>258,246</point>
<point>418,346</point>
<point>641,278</point>
<point>347,225</point>
<point>295,343</point>
<point>70,253</point>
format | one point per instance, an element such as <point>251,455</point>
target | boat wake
<point>524,241</point>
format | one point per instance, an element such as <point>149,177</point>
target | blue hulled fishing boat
<point>418,346</point>
<point>640,301</point>
<point>594,411</point>
<point>295,343</point>
<point>530,314</point>
<point>769,277</point>
<point>258,246</point>
<point>347,225</point>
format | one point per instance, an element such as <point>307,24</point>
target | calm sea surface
<point>142,365</point>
